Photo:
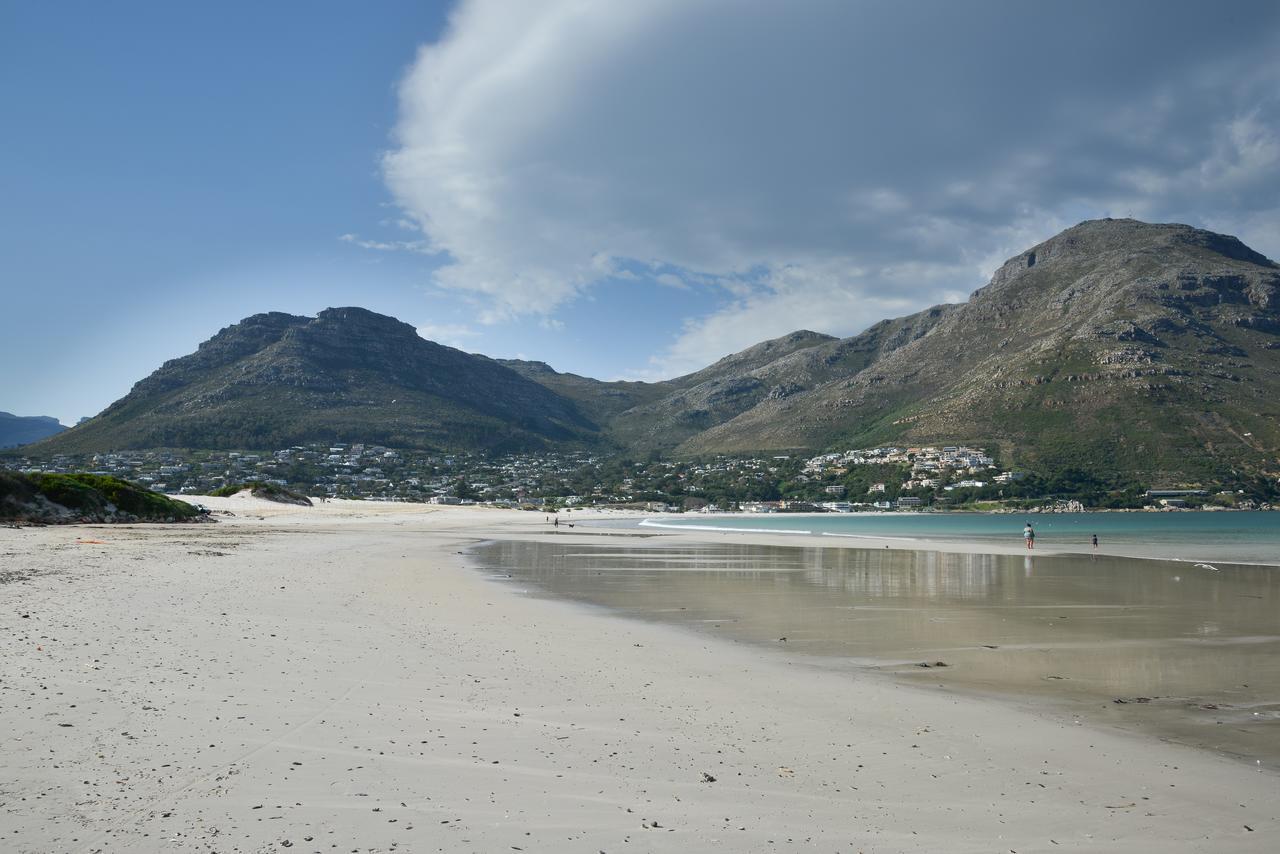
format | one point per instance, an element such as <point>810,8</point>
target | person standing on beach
<point>1095,542</point>
<point>1029,535</point>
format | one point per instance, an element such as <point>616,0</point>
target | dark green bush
<point>88,495</point>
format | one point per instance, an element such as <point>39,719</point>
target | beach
<point>343,678</point>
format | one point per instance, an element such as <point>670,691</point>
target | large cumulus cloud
<point>825,163</point>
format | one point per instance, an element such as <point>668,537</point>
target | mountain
<point>649,416</point>
<point>348,374</point>
<point>1145,350</point>
<point>1148,349</point>
<point>715,394</point>
<point>600,400</point>
<point>18,430</point>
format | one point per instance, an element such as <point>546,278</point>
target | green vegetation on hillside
<point>73,497</point>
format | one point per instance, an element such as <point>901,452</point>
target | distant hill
<point>18,430</point>
<point>348,374</point>
<point>1135,349</point>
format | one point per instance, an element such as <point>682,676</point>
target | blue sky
<point>619,189</point>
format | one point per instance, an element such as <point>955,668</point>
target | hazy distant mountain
<point>1152,350</point>
<point>346,375</point>
<point>19,430</point>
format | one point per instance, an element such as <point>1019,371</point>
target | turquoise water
<point>1246,536</point>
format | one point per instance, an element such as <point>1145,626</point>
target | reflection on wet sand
<point>1194,653</point>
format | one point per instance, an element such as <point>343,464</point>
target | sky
<point>623,190</point>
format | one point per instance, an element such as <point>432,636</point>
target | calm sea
<point>1240,536</point>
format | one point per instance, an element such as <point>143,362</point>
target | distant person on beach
<point>1029,535</point>
<point>1095,542</point>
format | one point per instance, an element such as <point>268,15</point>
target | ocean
<point>1232,536</point>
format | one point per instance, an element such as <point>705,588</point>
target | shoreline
<point>598,519</point>
<point>1174,553</point>
<point>342,673</point>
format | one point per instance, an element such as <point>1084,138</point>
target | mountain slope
<point>649,416</point>
<point>346,375</point>
<point>760,377</point>
<point>599,400</point>
<point>752,359</point>
<point>18,430</point>
<point>1153,349</point>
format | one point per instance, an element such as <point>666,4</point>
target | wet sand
<point>1167,649</point>
<point>341,679</point>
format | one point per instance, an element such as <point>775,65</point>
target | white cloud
<point>1247,151</point>
<point>387,245</point>
<point>817,165</point>
<point>456,335</point>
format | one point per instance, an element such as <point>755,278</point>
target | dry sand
<point>336,679</point>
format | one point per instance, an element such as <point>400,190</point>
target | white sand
<point>337,679</point>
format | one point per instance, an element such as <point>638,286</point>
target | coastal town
<point>883,479</point>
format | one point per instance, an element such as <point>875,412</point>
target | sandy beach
<point>338,678</point>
